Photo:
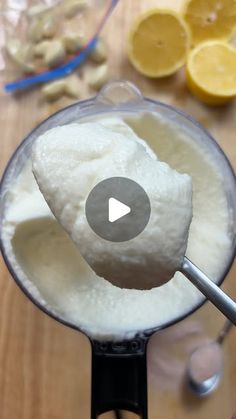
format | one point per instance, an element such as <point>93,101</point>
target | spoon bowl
<point>205,366</point>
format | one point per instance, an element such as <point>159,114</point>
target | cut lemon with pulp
<point>210,19</point>
<point>211,72</point>
<point>158,43</point>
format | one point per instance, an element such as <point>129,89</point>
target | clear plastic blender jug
<point>119,377</point>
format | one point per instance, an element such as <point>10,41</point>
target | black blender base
<point>119,377</point>
<point>118,414</point>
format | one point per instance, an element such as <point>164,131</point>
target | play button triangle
<point>117,210</point>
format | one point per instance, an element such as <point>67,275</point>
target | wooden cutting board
<point>45,367</point>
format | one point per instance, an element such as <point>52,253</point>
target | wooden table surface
<point>44,366</point>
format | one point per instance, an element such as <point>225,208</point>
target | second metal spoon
<point>206,385</point>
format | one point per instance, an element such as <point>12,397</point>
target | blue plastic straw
<point>64,69</point>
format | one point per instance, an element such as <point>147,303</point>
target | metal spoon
<point>206,385</point>
<point>213,293</point>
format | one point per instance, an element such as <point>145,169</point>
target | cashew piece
<point>36,10</point>
<point>43,27</point>
<point>41,48</point>
<point>55,53</point>
<point>98,76</point>
<point>69,86</point>
<point>21,55</point>
<point>71,8</point>
<point>49,26</point>
<point>99,52</point>
<point>73,42</point>
<point>72,86</point>
<point>54,90</point>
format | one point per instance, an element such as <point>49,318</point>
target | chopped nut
<point>55,53</point>
<point>21,55</point>
<point>54,90</point>
<point>71,8</point>
<point>73,42</point>
<point>72,86</point>
<point>99,52</point>
<point>43,27</point>
<point>98,76</point>
<point>41,48</point>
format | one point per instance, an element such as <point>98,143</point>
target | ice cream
<point>68,161</point>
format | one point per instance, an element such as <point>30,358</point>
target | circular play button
<point>118,209</point>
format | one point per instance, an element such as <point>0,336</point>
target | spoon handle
<point>224,331</point>
<point>213,293</point>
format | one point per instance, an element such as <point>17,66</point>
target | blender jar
<point>119,377</point>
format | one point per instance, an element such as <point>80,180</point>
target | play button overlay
<point>118,209</point>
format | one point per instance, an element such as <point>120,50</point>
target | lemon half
<point>211,72</point>
<point>210,19</point>
<point>158,43</point>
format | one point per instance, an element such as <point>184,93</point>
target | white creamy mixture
<point>68,161</point>
<point>50,266</point>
